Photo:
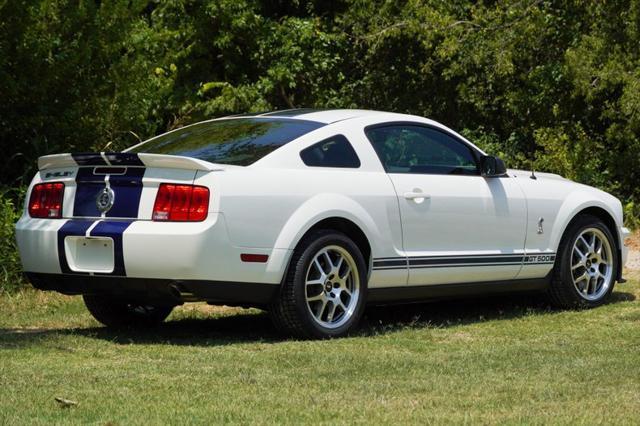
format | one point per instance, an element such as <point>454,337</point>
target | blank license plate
<point>89,254</point>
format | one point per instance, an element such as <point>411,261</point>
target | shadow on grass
<point>251,327</point>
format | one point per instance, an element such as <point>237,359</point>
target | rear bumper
<point>159,291</point>
<point>149,250</point>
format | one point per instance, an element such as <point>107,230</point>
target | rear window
<point>239,141</point>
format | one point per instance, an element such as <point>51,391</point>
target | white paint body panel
<point>267,207</point>
<point>461,216</point>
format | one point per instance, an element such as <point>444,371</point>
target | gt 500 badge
<point>545,258</point>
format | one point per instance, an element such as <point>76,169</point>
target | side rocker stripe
<point>420,262</point>
<point>461,260</point>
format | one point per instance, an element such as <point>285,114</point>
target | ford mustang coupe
<point>311,215</point>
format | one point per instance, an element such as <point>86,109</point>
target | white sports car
<point>311,215</point>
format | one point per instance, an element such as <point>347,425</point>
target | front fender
<point>574,204</point>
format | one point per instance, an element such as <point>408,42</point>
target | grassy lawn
<point>505,360</point>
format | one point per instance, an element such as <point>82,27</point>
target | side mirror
<point>492,166</point>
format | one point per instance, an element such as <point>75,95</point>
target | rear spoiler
<point>124,159</point>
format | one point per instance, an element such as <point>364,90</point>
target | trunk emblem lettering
<point>65,173</point>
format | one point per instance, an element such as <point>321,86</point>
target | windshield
<point>238,141</point>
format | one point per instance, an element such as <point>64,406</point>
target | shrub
<point>632,215</point>
<point>11,277</point>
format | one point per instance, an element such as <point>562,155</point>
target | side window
<point>418,149</point>
<point>333,152</point>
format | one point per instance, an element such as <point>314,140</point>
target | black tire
<point>290,313</point>
<point>118,313</point>
<point>562,292</point>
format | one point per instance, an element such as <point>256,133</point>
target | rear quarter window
<point>335,151</point>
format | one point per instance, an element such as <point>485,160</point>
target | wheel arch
<point>346,216</point>
<point>350,229</point>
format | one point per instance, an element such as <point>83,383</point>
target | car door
<point>457,226</point>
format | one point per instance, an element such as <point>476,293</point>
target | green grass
<point>504,360</point>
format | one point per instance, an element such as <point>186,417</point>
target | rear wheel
<point>117,313</point>
<point>325,289</point>
<point>585,274</point>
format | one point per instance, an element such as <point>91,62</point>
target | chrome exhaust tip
<point>180,292</point>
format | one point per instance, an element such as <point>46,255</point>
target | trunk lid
<point>116,185</point>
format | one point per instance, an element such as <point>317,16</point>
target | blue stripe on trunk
<point>128,191</point>
<point>127,188</point>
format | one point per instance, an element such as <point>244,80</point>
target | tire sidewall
<point>302,265</point>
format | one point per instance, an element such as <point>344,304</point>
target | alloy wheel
<point>592,264</point>
<point>332,286</point>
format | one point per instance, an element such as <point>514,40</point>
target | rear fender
<point>316,209</point>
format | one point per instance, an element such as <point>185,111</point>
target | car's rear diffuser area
<point>157,291</point>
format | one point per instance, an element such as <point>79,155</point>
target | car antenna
<point>533,172</point>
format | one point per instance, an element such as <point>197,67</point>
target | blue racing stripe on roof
<point>291,112</point>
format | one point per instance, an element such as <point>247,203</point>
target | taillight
<point>46,200</point>
<point>181,203</point>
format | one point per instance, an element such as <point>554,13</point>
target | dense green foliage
<point>10,268</point>
<point>557,82</point>
<point>554,84</point>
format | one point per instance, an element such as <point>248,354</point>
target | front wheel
<point>325,289</point>
<point>586,271</point>
<point>118,313</point>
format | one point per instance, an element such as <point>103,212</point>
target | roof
<point>326,116</point>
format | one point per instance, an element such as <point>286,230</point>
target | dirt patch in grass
<point>633,242</point>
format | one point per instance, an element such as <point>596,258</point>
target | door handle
<point>416,196</point>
